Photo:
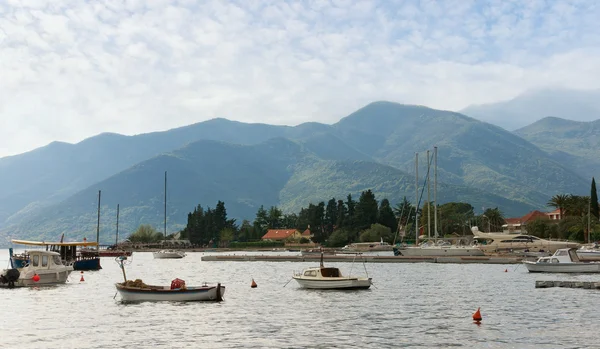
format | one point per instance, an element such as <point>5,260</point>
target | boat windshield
<point>56,260</point>
<point>330,272</point>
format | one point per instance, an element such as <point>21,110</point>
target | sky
<point>73,69</point>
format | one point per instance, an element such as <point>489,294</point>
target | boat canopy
<point>44,243</point>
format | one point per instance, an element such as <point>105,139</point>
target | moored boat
<point>43,268</point>
<point>330,278</point>
<point>564,260</point>
<point>84,259</point>
<point>503,242</point>
<point>438,250</point>
<point>166,254</point>
<point>132,292</point>
<point>138,291</point>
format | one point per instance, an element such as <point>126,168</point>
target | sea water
<point>420,305</point>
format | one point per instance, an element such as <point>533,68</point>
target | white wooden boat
<point>330,278</point>
<point>164,254</point>
<point>138,291</point>
<point>564,260</point>
<point>165,293</point>
<point>43,268</point>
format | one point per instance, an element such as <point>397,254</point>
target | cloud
<point>72,69</point>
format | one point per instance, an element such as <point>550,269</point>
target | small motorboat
<point>43,268</point>
<point>138,291</point>
<point>330,278</point>
<point>564,260</point>
<point>166,254</point>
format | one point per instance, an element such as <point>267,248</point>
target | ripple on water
<point>410,306</point>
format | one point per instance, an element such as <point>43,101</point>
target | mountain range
<point>53,189</point>
<point>533,105</point>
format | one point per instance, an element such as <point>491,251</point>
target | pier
<point>568,284</point>
<point>364,258</point>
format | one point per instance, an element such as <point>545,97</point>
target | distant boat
<point>167,254</point>
<point>330,278</point>
<point>44,268</point>
<point>439,250</point>
<point>564,260</point>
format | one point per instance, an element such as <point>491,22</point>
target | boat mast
<point>428,198</point>
<point>435,228</point>
<point>416,199</point>
<point>98,225</point>
<point>117,237</point>
<point>165,223</point>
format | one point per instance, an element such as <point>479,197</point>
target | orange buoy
<point>506,270</point>
<point>81,279</point>
<point>477,316</point>
<point>253,285</point>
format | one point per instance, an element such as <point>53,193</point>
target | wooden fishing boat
<point>138,291</point>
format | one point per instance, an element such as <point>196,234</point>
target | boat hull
<point>87,264</point>
<point>47,278</point>
<point>535,267</point>
<point>164,294</point>
<point>334,283</point>
<point>168,255</point>
<point>440,251</point>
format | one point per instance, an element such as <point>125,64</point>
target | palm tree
<point>495,219</point>
<point>559,201</point>
<point>577,205</point>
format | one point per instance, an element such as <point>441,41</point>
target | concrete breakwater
<point>364,258</point>
<point>568,284</point>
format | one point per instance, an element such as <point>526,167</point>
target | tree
<point>145,234</point>
<point>225,236</point>
<point>404,211</point>
<point>577,206</point>
<point>366,210</point>
<point>594,209</point>
<point>494,219</point>
<point>375,233</point>
<point>341,213</point>
<point>340,237</point>
<point>559,202</point>
<point>274,218</point>
<point>351,207</point>
<point>386,215</point>
<point>330,216</point>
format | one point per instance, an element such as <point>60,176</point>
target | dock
<point>568,284</point>
<point>364,258</point>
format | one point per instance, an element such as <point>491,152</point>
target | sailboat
<point>435,248</point>
<point>167,254</point>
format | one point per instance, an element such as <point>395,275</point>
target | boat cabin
<point>44,259</point>
<point>323,273</point>
<point>563,255</point>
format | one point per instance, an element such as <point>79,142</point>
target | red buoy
<point>506,270</point>
<point>81,279</point>
<point>35,278</point>
<point>477,316</point>
<point>253,285</point>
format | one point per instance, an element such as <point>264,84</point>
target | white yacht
<point>564,260</point>
<point>506,242</point>
<point>44,268</point>
<point>330,278</point>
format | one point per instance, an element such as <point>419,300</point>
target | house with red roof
<point>282,234</point>
<point>518,225</point>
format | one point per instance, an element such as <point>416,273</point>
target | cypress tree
<point>594,200</point>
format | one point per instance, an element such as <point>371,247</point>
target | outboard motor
<point>10,277</point>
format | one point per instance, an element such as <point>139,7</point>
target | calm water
<point>411,306</point>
